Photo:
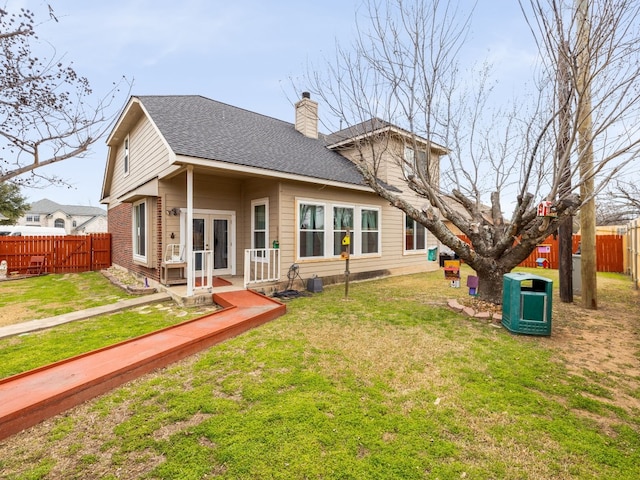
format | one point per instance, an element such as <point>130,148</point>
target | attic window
<point>126,155</point>
<point>414,164</point>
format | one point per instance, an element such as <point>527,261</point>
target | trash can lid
<point>525,276</point>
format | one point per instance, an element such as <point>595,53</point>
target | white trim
<point>255,203</point>
<point>413,251</point>
<point>188,234</point>
<point>126,157</point>
<point>230,167</point>
<point>328,235</point>
<point>135,234</point>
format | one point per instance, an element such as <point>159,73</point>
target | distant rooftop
<point>46,207</point>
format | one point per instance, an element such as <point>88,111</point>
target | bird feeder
<point>546,209</point>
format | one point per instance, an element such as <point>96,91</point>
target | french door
<point>213,240</point>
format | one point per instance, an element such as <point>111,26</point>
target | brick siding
<point>120,227</point>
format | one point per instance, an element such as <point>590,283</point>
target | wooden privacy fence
<point>609,253</point>
<point>63,254</point>
<point>632,263</point>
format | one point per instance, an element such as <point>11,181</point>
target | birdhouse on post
<point>546,209</point>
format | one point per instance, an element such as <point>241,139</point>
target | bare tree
<point>404,68</point>
<point>45,111</point>
<point>620,205</point>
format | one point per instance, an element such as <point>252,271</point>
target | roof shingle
<point>199,127</point>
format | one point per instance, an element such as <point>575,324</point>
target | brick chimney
<point>307,116</point>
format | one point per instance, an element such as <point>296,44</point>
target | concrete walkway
<point>43,323</point>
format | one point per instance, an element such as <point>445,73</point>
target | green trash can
<point>526,303</point>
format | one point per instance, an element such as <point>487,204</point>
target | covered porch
<point>216,233</point>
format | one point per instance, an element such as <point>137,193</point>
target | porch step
<point>31,397</point>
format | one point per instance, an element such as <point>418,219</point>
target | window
<point>370,231</point>
<point>322,227</point>
<point>59,222</point>
<point>140,231</point>
<point>260,224</point>
<point>342,220</point>
<point>414,162</point>
<point>33,218</point>
<point>126,155</point>
<point>74,224</point>
<point>311,228</point>
<point>409,161</point>
<point>415,235</point>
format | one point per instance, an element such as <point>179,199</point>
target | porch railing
<point>261,265</point>
<point>202,268</point>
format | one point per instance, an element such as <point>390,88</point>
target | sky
<point>241,52</point>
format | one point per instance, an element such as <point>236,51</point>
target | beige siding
<point>148,155</point>
<point>391,259</point>
<point>217,193</point>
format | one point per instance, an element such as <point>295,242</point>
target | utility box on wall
<point>526,303</point>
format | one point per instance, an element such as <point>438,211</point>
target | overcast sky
<point>241,52</point>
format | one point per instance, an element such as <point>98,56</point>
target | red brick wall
<point>120,227</point>
<point>121,241</point>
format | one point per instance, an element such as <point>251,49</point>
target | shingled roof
<point>46,207</point>
<point>199,127</point>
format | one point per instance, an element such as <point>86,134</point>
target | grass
<point>50,295</point>
<point>386,384</point>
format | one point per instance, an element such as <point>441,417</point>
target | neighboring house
<point>193,182</point>
<point>75,219</point>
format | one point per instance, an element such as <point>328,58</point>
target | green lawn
<point>49,295</point>
<point>387,384</point>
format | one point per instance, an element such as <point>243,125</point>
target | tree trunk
<point>490,284</point>
<point>565,267</point>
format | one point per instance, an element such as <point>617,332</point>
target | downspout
<point>189,231</point>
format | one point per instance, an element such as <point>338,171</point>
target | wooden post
<point>346,248</point>
<point>585,145</point>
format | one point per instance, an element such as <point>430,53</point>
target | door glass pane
<point>198,240</point>
<point>220,244</point>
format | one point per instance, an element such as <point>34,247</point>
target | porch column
<point>189,228</point>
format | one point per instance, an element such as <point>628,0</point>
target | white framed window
<point>260,224</point>
<point>126,155</point>
<point>140,231</point>
<point>342,221</point>
<point>370,221</point>
<point>409,161</point>
<point>415,236</point>
<point>59,223</point>
<point>414,162</point>
<point>311,231</point>
<point>33,218</point>
<point>322,226</point>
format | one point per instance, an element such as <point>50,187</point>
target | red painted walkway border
<point>31,397</point>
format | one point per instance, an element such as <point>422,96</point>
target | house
<point>75,219</point>
<point>215,190</point>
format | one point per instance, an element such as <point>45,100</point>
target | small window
<point>59,223</point>
<point>126,155</point>
<point>33,218</point>
<point>260,225</point>
<point>140,231</point>
<point>415,235</point>
<point>409,161</point>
